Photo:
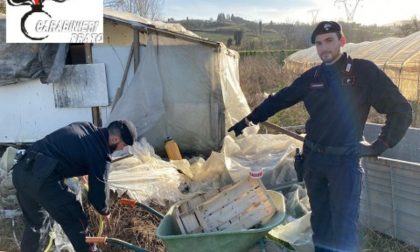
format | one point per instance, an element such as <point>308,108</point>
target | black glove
<point>239,126</point>
<point>372,150</point>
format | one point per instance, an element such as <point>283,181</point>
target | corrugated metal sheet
<point>391,198</point>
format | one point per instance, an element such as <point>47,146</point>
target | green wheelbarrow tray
<point>229,241</point>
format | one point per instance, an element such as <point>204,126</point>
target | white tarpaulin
<point>146,177</point>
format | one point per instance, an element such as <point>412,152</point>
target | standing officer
<point>74,150</point>
<point>338,95</point>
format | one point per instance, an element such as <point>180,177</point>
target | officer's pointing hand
<point>239,126</point>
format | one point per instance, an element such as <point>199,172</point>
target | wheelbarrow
<point>222,241</point>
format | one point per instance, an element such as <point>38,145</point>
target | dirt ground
<point>132,225</point>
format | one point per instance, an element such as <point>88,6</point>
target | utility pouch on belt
<point>299,165</point>
<point>24,161</point>
<point>40,166</point>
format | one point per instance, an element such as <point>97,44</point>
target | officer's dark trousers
<point>60,203</point>
<point>334,186</point>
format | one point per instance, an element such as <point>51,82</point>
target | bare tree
<point>145,8</point>
<point>409,27</point>
<point>2,7</point>
<point>314,14</point>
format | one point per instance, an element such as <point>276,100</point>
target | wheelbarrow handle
<point>96,239</point>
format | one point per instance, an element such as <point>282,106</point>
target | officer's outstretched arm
<point>284,98</point>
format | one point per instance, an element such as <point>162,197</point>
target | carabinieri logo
<point>36,6</point>
<point>54,21</point>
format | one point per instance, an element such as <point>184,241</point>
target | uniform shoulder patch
<point>316,85</point>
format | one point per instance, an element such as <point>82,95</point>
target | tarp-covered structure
<point>399,58</point>
<point>166,79</point>
<point>184,87</point>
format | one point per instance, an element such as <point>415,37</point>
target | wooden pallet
<point>234,207</point>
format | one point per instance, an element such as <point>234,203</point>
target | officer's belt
<point>331,150</point>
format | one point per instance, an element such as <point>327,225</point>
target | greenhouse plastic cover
<point>398,57</point>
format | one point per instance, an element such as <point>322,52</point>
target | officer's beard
<point>113,147</point>
<point>330,57</point>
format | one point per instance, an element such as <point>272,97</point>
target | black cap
<point>127,130</point>
<point>326,27</point>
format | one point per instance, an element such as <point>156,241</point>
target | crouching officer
<point>74,150</point>
<point>338,95</point>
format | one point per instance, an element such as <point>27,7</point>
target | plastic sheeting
<point>297,233</point>
<point>235,103</point>
<point>181,100</point>
<point>274,154</point>
<point>142,101</point>
<point>8,198</point>
<point>30,61</point>
<point>297,202</point>
<point>146,177</point>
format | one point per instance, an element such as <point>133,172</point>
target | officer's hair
<point>339,35</point>
<point>115,129</point>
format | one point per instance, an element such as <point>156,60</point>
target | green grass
<point>214,36</point>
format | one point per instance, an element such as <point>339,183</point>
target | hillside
<point>241,34</point>
<point>2,6</point>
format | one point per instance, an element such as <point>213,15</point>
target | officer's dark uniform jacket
<point>81,149</point>
<point>338,98</point>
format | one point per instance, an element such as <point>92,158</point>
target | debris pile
<point>133,225</point>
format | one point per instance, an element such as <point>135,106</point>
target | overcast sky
<point>368,11</point>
